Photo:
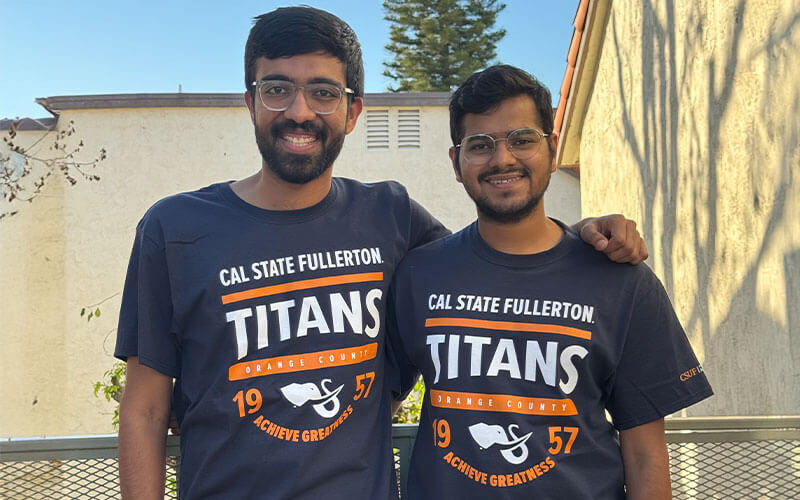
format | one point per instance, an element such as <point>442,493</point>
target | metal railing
<point>721,458</point>
<point>716,458</point>
<point>70,467</point>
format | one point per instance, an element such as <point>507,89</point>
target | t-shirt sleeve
<point>127,337</point>
<point>145,322</point>
<point>658,373</point>
<point>401,374</point>
<point>424,226</point>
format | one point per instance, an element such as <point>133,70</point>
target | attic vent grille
<point>377,129</point>
<point>408,133</point>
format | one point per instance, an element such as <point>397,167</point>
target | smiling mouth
<point>498,182</point>
<point>504,179</point>
<point>298,142</point>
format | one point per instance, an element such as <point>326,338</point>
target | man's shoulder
<point>383,201</point>
<point>629,282</point>
<point>356,187</point>
<point>180,209</point>
<point>585,257</point>
<point>188,198</point>
<point>433,253</point>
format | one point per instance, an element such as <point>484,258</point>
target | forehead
<point>512,113</point>
<point>302,68</point>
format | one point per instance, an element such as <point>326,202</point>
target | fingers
<point>589,232</point>
<point>626,245</point>
<point>173,424</point>
<point>617,237</point>
<point>598,241</point>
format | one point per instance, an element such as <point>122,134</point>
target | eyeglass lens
<point>521,143</point>
<point>322,98</point>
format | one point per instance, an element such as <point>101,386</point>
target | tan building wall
<point>70,247</point>
<point>693,129</point>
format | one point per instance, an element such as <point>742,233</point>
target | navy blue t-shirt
<point>274,322</point>
<point>522,355</point>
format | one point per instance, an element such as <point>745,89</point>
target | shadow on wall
<point>792,262</point>
<point>749,356</point>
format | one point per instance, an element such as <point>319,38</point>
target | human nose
<point>299,110</point>
<point>502,154</point>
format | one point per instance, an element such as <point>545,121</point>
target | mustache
<point>276,129</point>
<point>523,171</point>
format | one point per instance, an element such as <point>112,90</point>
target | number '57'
<point>362,388</point>
<point>557,441</point>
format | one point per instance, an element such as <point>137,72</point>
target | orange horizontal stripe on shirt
<point>511,326</point>
<point>302,362</point>
<point>506,403</point>
<point>301,285</point>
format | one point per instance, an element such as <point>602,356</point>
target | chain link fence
<point>718,458</point>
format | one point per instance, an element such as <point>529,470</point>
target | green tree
<point>437,44</point>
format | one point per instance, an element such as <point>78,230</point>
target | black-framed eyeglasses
<point>323,98</point>
<point>523,143</point>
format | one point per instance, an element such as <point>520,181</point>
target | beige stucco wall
<point>425,172</point>
<point>693,129</point>
<point>70,247</point>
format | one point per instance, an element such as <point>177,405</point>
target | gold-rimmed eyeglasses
<point>523,143</point>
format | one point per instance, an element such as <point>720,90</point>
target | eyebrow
<point>502,135</point>
<point>319,79</point>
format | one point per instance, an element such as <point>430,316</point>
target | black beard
<point>295,168</point>
<point>510,215</point>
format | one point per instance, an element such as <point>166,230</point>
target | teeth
<point>299,140</point>
<point>503,181</point>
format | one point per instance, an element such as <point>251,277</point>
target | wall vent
<point>377,129</point>
<point>408,134</point>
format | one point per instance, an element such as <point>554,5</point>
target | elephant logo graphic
<point>325,402</point>
<point>513,449</point>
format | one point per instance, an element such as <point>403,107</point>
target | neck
<point>533,234</point>
<point>266,190</point>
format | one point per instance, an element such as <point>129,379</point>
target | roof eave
<point>218,100</point>
<point>590,26</point>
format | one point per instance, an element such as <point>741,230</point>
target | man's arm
<point>143,417</point>
<point>615,236</point>
<point>646,462</point>
<point>396,406</point>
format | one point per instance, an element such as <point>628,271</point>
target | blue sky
<point>52,48</point>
